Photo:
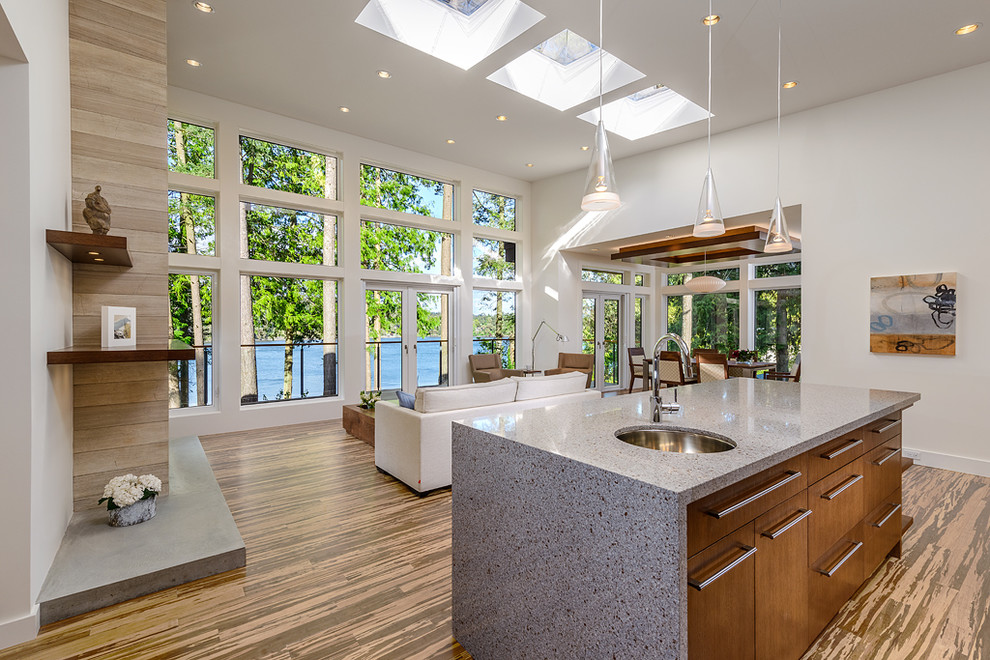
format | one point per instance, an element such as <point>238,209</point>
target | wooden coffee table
<point>360,422</point>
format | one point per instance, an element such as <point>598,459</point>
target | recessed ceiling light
<point>594,249</point>
<point>195,63</point>
<point>344,108</point>
<point>450,142</point>
<point>711,19</point>
<point>203,7</point>
<point>585,148</point>
<point>501,118</point>
<point>529,164</point>
<point>384,74</point>
<point>94,254</point>
<point>968,29</point>
<point>790,84</point>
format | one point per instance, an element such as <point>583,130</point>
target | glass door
<point>601,334</point>
<point>408,338</point>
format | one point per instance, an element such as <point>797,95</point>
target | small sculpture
<point>97,212</point>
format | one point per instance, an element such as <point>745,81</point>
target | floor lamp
<point>560,337</point>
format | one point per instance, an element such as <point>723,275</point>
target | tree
<point>492,260</point>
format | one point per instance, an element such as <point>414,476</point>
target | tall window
<point>491,210</point>
<point>190,382</point>
<point>191,223</point>
<point>190,149</point>
<point>639,279</point>
<point>638,321</point>
<point>383,348</point>
<point>279,167</point>
<point>288,339</point>
<point>604,276</point>
<point>495,325</point>
<point>495,259</point>
<point>706,321</point>
<point>778,326</point>
<point>289,235</point>
<point>402,249</point>
<point>407,193</point>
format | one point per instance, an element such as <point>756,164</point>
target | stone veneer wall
<point>118,80</point>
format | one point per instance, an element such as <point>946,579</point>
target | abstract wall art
<point>913,314</point>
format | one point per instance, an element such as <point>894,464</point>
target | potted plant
<point>130,499</point>
<point>743,355</point>
<point>369,398</point>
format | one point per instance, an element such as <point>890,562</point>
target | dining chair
<point>705,351</point>
<point>793,376</point>
<point>670,370</point>
<point>712,367</point>
<point>636,367</point>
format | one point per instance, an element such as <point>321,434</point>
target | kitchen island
<point>568,542</point>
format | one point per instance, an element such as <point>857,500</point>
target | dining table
<point>737,369</point>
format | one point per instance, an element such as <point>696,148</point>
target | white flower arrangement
<point>128,489</point>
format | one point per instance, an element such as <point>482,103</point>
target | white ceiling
<point>304,58</point>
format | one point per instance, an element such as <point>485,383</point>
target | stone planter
<point>138,512</point>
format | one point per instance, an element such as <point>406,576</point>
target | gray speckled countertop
<point>769,421</point>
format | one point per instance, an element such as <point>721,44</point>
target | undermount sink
<point>684,442</point>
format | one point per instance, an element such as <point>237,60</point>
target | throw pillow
<point>406,400</point>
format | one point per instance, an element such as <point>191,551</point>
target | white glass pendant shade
<point>705,284</point>
<point>709,220</point>
<point>599,189</point>
<point>778,238</point>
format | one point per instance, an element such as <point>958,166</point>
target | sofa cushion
<point>406,400</point>
<point>537,387</point>
<point>440,399</point>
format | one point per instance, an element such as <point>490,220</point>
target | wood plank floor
<point>346,563</point>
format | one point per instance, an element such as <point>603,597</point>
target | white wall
<point>36,472</point>
<point>882,180</point>
<point>230,120</point>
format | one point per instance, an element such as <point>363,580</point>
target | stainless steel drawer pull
<point>835,492</point>
<point>841,450</point>
<point>883,521</point>
<point>884,429</point>
<point>830,572</point>
<point>749,551</point>
<point>789,477</point>
<point>787,524</point>
<point>887,457</point>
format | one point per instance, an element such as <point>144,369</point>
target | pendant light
<point>778,238</point>
<point>709,219</point>
<point>706,283</point>
<point>599,189</point>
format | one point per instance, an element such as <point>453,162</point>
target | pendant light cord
<point>710,86</point>
<point>780,14</point>
<point>601,50</point>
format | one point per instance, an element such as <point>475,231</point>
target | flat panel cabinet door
<point>782,631</point>
<point>721,599</point>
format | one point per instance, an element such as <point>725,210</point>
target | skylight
<point>563,71</point>
<point>461,32</point>
<point>648,111</point>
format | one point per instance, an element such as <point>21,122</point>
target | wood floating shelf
<point>80,248</point>
<point>734,243</point>
<point>151,352</point>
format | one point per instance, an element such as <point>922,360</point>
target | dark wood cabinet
<point>782,580</point>
<point>835,577</point>
<point>722,599</point>
<point>838,505</point>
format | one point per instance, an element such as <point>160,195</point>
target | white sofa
<point>414,445</point>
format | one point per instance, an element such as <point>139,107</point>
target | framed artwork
<point>913,314</point>
<point>119,326</point>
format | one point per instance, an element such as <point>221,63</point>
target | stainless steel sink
<point>665,439</point>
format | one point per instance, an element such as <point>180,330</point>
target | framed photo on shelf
<point>119,326</point>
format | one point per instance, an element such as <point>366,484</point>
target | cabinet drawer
<point>882,430</point>
<point>835,578</point>
<point>714,516</point>
<point>837,501</point>
<point>882,531</point>
<point>782,580</point>
<point>882,467</point>
<point>722,599</point>
<point>826,459</point>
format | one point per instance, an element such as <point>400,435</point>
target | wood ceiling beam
<point>739,234</point>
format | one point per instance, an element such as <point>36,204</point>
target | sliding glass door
<point>601,334</point>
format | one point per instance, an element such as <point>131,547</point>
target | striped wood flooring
<point>346,563</point>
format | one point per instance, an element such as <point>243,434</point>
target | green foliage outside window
<point>406,193</point>
<point>778,326</point>
<point>402,249</point>
<point>604,276</point>
<point>191,321</point>
<point>190,149</point>
<point>779,270</point>
<point>638,322</point>
<point>289,235</point>
<point>495,324</point>
<point>491,210</point>
<point>191,223</point>
<point>639,279</point>
<point>727,274</point>
<point>713,317</point>
<point>278,167</point>
<point>491,260</point>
